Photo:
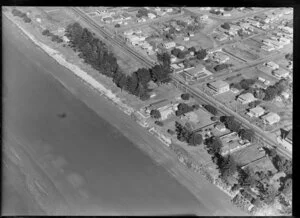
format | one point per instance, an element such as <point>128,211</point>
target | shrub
<point>225,26</point>
<point>185,96</point>
<point>159,123</point>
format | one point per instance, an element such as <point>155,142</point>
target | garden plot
<point>242,51</point>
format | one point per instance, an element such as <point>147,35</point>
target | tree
<point>195,139</point>
<point>220,67</point>
<point>159,123</point>
<point>201,54</point>
<point>230,123</point>
<point>253,104</point>
<point>211,109</point>
<point>289,56</point>
<point>27,19</point>
<point>175,52</point>
<point>46,32</point>
<point>214,145</point>
<point>155,114</point>
<point>225,26</point>
<point>286,188</point>
<point>214,118</point>
<point>185,96</point>
<point>227,167</point>
<point>183,108</point>
<point>259,93</point>
<point>171,132</point>
<point>192,49</point>
<point>270,93</point>
<point>246,83</point>
<point>143,75</point>
<point>247,134</point>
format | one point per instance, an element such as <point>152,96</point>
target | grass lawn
<point>247,154</point>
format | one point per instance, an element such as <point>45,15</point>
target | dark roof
<point>290,135</point>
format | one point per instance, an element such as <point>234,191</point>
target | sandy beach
<point>217,201</point>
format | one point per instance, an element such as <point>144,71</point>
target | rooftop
<point>219,84</point>
<point>257,110</point>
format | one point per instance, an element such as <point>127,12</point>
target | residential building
<point>180,47</point>
<point>272,65</point>
<point>221,37</point>
<point>280,73</point>
<point>234,90</point>
<point>151,16</point>
<point>167,110</point>
<point>226,14</point>
<point>267,48</point>
<point>186,38</point>
<point>203,17</point>
<point>220,127</point>
<point>219,86</point>
<point>261,79</point>
<point>196,73</point>
<point>271,118</point>
<point>285,95</point>
<point>220,57</point>
<point>246,98</point>
<point>256,112</point>
<point>169,45</point>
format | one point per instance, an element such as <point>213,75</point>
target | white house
<point>246,98</point>
<point>151,16</point>
<point>219,86</point>
<point>280,73</point>
<point>272,65</point>
<point>256,112</point>
<point>271,118</point>
<point>169,45</point>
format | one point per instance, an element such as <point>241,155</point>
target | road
<point>228,19</point>
<point>202,96</point>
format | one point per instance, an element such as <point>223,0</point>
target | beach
<point>140,137</point>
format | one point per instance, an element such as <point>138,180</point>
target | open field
<point>242,51</point>
<point>247,154</point>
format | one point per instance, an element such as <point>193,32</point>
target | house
<point>246,98</point>
<point>151,16</point>
<point>220,127</point>
<point>220,57</point>
<point>285,95</point>
<point>186,38</point>
<point>219,86</point>
<point>195,73</point>
<point>272,65</point>
<point>267,82</point>
<point>234,90</point>
<point>129,32</point>
<point>280,73</point>
<point>221,37</point>
<point>271,118</point>
<point>167,110</point>
<point>267,48</point>
<point>261,79</point>
<point>169,10</point>
<point>203,17</point>
<point>226,14</point>
<point>256,112</point>
<point>180,47</point>
<point>173,58</point>
<point>169,45</point>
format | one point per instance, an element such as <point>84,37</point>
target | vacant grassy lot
<point>242,51</point>
<point>248,154</point>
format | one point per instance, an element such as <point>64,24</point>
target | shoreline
<point>108,94</point>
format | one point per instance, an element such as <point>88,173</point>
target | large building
<point>196,73</point>
<point>246,98</point>
<point>219,86</point>
<point>271,118</point>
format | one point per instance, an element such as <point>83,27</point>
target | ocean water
<point>96,157</point>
